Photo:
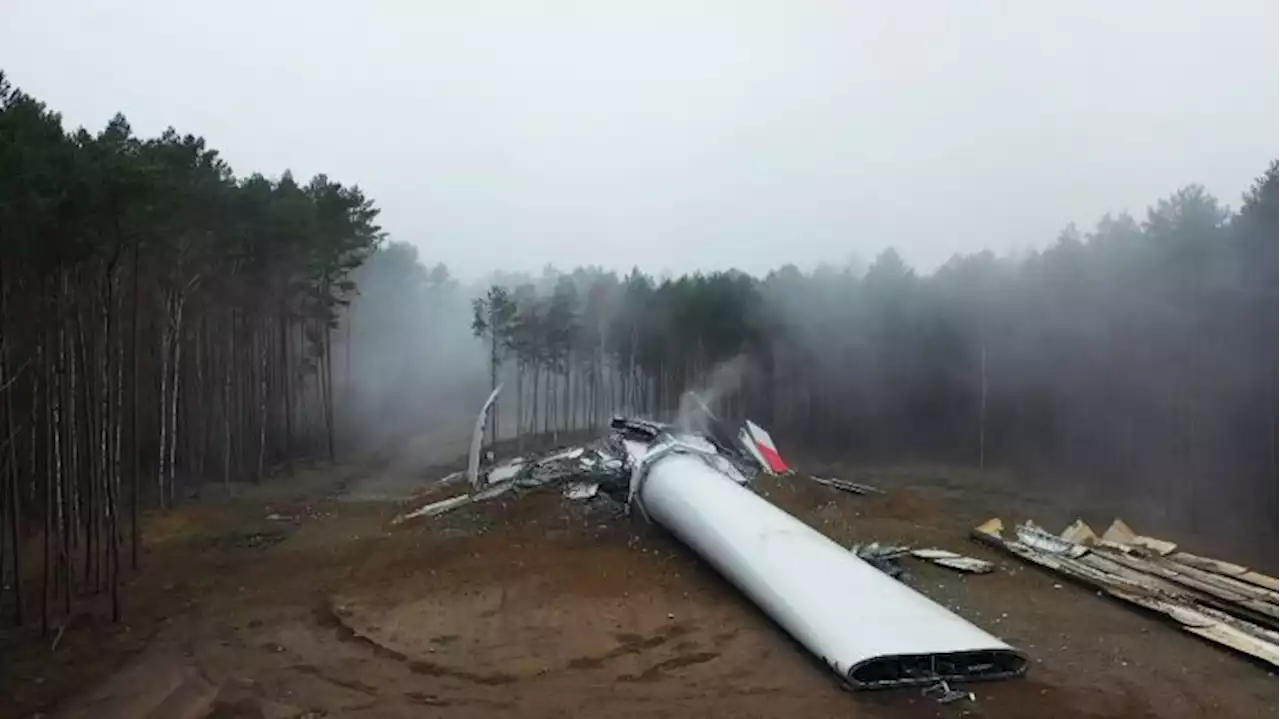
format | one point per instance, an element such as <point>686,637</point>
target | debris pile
<point>606,466</point>
<point>696,485</point>
<point>1223,602</point>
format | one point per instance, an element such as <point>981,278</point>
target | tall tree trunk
<point>197,413</point>
<point>62,442</point>
<point>135,440</point>
<point>174,398</point>
<point>50,388</point>
<point>165,355</point>
<point>114,524</point>
<point>228,408</point>
<point>285,395</point>
<point>533,414</point>
<point>982,413</point>
<point>567,419</point>
<point>261,345</point>
<point>493,376</point>
<point>11,432</point>
<point>519,405</point>
<point>328,396</point>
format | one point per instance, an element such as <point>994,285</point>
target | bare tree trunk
<point>553,403</point>
<point>11,431</point>
<point>135,440</point>
<point>196,430</point>
<point>519,405</point>
<point>104,437</point>
<point>114,524</point>
<point>228,408</point>
<point>629,401</point>
<point>261,345</point>
<point>568,395</point>
<point>982,413</point>
<point>60,467</point>
<point>71,416</point>
<point>285,396</point>
<point>328,403</point>
<point>1271,426</point>
<point>493,375</point>
<point>50,477</point>
<point>174,398</point>
<point>165,349</point>
<point>533,415</point>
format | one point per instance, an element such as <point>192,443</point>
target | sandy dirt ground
<point>301,599</point>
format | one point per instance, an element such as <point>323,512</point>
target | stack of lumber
<point>1223,602</point>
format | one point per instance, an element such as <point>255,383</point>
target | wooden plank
<point>1229,583</point>
<point>1210,565</point>
<point>1262,580</point>
<point>1263,609</point>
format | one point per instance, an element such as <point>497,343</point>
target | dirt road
<point>542,607</point>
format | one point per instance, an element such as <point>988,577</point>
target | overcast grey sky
<point>681,134</point>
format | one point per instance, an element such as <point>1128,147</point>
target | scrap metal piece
<point>883,557</point>
<point>505,471</point>
<point>581,490</point>
<point>637,429</point>
<point>943,693</point>
<point>812,587</point>
<point>966,564</point>
<point>760,446</point>
<point>951,560</point>
<point>1038,539</point>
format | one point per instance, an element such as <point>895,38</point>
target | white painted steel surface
<point>842,609</point>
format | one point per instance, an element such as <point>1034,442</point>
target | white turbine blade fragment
<point>477,437</point>
<point>871,630</point>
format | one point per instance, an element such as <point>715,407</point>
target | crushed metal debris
<point>581,490</point>
<point>944,693</point>
<point>883,557</point>
<point>1223,602</point>
<point>696,485</point>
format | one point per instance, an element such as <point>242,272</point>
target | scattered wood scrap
<point>1219,601</point>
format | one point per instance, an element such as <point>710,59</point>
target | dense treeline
<point>1139,356</point>
<point>163,323</point>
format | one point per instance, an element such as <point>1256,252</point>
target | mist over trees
<point>163,324</point>
<point>1137,357</point>
<point>405,360</point>
<point>166,325</point>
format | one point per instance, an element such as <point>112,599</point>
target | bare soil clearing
<point>537,606</point>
